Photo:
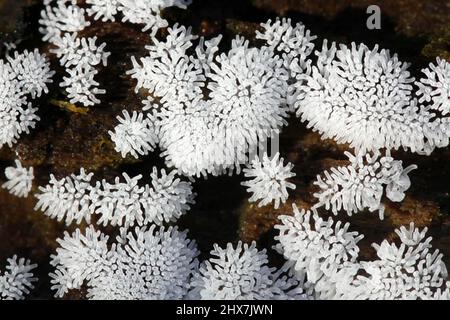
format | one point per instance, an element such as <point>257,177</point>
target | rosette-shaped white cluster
<point>32,71</point>
<point>76,198</point>
<point>214,108</point>
<point>17,280</point>
<point>365,98</point>
<point>56,20</point>
<point>23,75</point>
<point>361,184</point>
<point>319,251</point>
<point>134,134</point>
<point>242,273</point>
<point>144,264</point>
<point>20,180</point>
<point>269,180</point>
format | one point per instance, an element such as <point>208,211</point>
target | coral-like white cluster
<point>75,198</point>
<point>23,75</point>
<point>410,271</point>
<point>56,20</point>
<point>79,56</point>
<point>148,12</point>
<point>269,180</point>
<point>214,107</point>
<point>134,134</point>
<point>294,43</point>
<point>69,197</point>
<point>242,273</point>
<point>365,98</point>
<point>103,9</point>
<point>17,280</point>
<point>435,88</point>
<point>207,110</point>
<point>326,260</point>
<point>81,86</point>
<point>73,51</point>
<point>32,71</point>
<point>361,184</point>
<point>144,264</point>
<point>317,249</point>
<point>20,180</point>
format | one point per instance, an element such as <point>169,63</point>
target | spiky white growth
<point>191,144</point>
<point>147,264</point>
<point>269,180</point>
<point>70,197</point>
<point>134,134</point>
<point>165,200</point>
<point>17,280</point>
<point>246,104</point>
<point>410,271</point>
<point>148,12</point>
<point>188,128</point>
<point>24,75</point>
<point>435,88</point>
<point>209,131</point>
<point>167,70</point>
<point>11,94</point>
<point>317,249</point>
<point>363,97</point>
<point>20,180</point>
<point>360,185</point>
<point>80,56</point>
<point>326,260</point>
<point>294,43</point>
<point>56,20</point>
<point>32,71</point>
<point>81,86</point>
<point>248,91</point>
<point>16,121</point>
<point>242,273</point>
<point>75,198</point>
<point>103,9</point>
<point>73,51</point>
